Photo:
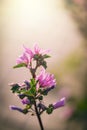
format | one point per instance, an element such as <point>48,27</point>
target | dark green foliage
<point>25,111</point>
<point>50,109</point>
<point>40,97</point>
<point>44,92</point>
<point>15,88</point>
<point>40,60</point>
<point>44,64</point>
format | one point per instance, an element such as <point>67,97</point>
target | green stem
<point>38,116</point>
<point>35,105</point>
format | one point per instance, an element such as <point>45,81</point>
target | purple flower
<point>25,101</point>
<point>29,54</point>
<point>27,84</point>
<point>12,107</point>
<point>36,50</point>
<point>21,96</point>
<point>24,59</point>
<point>46,79</point>
<point>59,103</point>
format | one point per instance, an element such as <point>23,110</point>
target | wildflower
<point>37,54</point>
<point>32,92</point>
<point>25,101</point>
<point>59,103</point>
<point>23,59</point>
<point>24,111</point>
<point>36,50</point>
<point>29,52</point>
<point>27,84</point>
<point>12,107</point>
<point>21,96</point>
<point>46,79</point>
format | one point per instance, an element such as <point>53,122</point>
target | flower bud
<point>59,103</point>
<point>25,101</point>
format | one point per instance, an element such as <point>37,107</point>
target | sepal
<point>49,110</point>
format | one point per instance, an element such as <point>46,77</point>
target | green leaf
<point>33,82</point>
<point>25,111</point>
<point>15,88</point>
<point>46,56</point>
<point>20,65</point>
<point>32,90</point>
<point>44,64</point>
<point>29,93</point>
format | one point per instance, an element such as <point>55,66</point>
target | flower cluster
<point>32,92</point>
<point>29,55</point>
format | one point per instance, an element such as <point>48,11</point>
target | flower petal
<point>59,103</point>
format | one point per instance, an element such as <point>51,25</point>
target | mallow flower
<point>32,91</point>
<point>36,51</point>
<point>37,54</point>
<point>24,60</point>
<point>45,79</point>
<point>25,101</point>
<point>24,111</point>
<point>12,107</point>
<point>59,103</point>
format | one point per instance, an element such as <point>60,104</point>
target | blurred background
<point>58,25</point>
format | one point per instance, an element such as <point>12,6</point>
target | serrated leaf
<point>20,65</point>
